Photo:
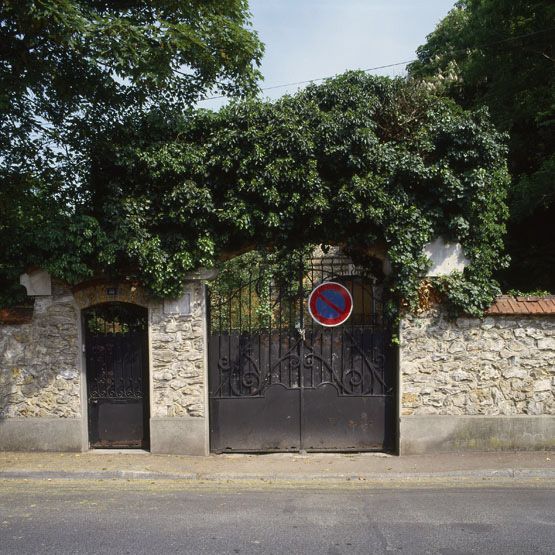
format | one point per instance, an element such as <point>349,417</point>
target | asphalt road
<point>133,517</point>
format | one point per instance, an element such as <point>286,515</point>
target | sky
<point>309,39</point>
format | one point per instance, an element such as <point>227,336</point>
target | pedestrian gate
<point>281,382</point>
<point>116,347</point>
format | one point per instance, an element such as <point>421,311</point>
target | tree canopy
<point>107,170</point>
<point>72,69</point>
<point>499,54</point>
<point>356,161</point>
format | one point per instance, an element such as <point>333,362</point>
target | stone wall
<point>39,376</point>
<point>42,397</point>
<point>178,358</point>
<point>496,366</point>
<point>464,384</point>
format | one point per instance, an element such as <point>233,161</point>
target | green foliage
<point>68,64</point>
<point>499,54</point>
<point>105,170</point>
<point>356,161</point>
<point>261,287</point>
<point>71,70</point>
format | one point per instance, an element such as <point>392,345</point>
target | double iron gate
<point>281,382</point>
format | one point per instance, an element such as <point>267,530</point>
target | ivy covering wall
<point>356,161</point>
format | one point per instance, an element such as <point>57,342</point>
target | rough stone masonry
<point>496,366</point>
<point>178,357</point>
<point>39,375</point>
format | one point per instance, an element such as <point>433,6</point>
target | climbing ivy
<point>258,288</point>
<point>358,161</point>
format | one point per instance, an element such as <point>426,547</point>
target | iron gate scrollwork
<point>279,381</point>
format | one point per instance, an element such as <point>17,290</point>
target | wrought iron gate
<point>281,382</point>
<point>116,347</point>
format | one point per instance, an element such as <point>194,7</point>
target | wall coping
<point>508,305</point>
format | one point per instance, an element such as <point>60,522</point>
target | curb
<point>514,474</point>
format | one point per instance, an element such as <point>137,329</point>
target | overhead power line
<point>329,77</point>
<point>385,66</point>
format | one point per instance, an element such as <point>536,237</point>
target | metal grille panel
<point>266,353</point>
<point>116,346</point>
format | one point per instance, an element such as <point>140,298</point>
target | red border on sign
<point>330,322</point>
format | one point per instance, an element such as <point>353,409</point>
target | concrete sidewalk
<point>290,467</point>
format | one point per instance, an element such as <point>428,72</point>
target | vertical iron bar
<point>312,338</point>
<point>353,339</point>
<point>322,335</point>
<point>240,316</point>
<point>362,288</point>
<point>341,369</point>
<point>300,308</point>
<point>290,327</point>
<point>221,326</point>
<point>259,331</point>
<point>280,329</point>
<point>128,360</point>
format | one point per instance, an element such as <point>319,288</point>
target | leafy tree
<point>499,54</point>
<point>71,69</point>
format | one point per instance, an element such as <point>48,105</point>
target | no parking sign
<point>330,304</point>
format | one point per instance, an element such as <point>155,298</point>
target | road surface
<point>159,517</point>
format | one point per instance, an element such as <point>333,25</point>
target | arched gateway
<point>280,381</point>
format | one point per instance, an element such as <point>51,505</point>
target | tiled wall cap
<point>507,304</point>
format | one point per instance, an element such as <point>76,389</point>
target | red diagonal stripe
<point>331,304</point>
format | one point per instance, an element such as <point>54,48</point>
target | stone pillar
<point>179,408</point>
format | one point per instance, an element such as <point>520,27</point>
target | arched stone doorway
<point>117,375</point>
